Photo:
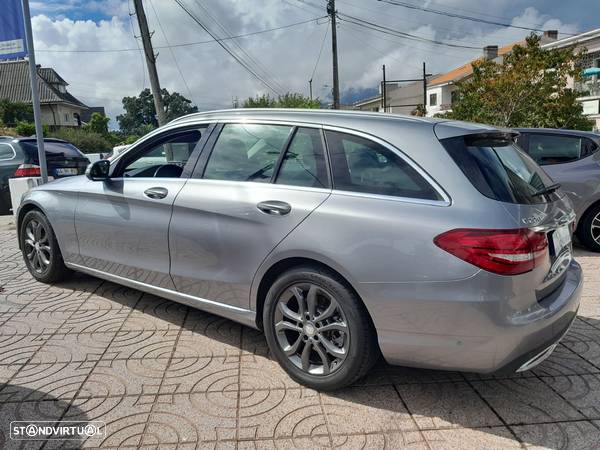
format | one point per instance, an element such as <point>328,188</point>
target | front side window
<point>164,159</point>
<point>548,149</point>
<point>247,152</point>
<point>304,161</point>
<point>361,165</point>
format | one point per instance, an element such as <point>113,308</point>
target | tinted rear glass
<point>499,169</point>
<point>53,149</point>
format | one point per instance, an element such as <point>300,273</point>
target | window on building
<point>361,165</point>
<point>247,152</point>
<point>432,99</point>
<point>453,97</point>
<point>67,118</point>
<point>304,162</point>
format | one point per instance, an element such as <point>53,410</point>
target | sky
<point>77,38</point>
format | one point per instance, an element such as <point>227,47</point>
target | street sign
<point>12,30</point>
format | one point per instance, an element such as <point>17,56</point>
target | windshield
<point>499,169</point>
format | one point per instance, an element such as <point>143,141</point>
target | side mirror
<point>98,171</point>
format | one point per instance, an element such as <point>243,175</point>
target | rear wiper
<point>547,190</point>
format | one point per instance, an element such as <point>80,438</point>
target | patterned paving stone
<point>45,381</point>
<point>582,392</point>
<point>560,436</point>
<point>525,401</point>
<point>162,376</point>
<point>464,438</point>
<point>446,405</point>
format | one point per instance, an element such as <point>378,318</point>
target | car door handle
<point>156,193</point>
<point>274,207</point>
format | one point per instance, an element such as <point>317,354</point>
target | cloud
<point>287,56</point>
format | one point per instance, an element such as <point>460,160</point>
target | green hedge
<point>86,141</point>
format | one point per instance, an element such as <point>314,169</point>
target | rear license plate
<point>65,172</point>
<point>561,239</point>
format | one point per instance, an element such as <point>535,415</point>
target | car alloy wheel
<point>311,329</point>
<point>595,228</point>
<point>37,246</point>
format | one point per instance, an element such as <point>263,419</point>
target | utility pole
<point>424,91</point>
<point>310,88</point>
<point>161,115</point>
<point>384,91</point>
<point>336,80</point>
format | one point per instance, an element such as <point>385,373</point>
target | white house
<point>590,87</point>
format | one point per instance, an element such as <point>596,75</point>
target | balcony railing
<point>587,89</point>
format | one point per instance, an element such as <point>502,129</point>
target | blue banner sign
<point>12,30</point>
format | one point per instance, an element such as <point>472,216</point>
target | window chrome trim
<point>13,150</point>
<point>446,200</point>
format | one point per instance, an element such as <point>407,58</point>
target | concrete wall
<point>60,115</point>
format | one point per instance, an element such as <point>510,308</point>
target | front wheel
<point>40,248</point>
<point>318,329</point>
<point>588,231</point>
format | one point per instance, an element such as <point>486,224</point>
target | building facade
<point>59,107</point>
<point>589,88</point>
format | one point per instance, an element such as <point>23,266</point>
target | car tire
<point>332,323</point>
<point>40,249</point>
<point>588,230</point>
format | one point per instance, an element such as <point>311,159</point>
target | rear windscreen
<point>499,169</point>
<point>52,149</point>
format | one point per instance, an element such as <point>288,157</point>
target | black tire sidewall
<point>56,267</point>
<point>361,339</point>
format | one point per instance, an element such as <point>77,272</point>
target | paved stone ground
<point>162,375</point>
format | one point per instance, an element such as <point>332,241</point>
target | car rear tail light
<point>28,170</point>
<point>505,252</point>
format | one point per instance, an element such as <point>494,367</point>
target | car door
<point>258,183</point>
<point>122,223</point>
<point>571,160</point>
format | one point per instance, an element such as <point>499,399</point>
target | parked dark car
<point>572,159</point>
<point>19,158</point>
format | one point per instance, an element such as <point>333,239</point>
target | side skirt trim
<point>244,316</point>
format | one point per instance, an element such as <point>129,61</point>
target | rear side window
<point>548,149</point>
<point>304,161</point>
<point>6,152</point>
<point>499,169</point>
<point>247,152</point>
<point>361,165</point>
<point>54,150</point>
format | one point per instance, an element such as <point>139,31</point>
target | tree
<point>98,124</point>
<point>289,100</point>
<point>140,112</point>
<point>12,113</point>
<point>527,89</point>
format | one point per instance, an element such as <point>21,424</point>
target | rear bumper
<point>474,330</point>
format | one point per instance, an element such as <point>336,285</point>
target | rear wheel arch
<point>286,264</point>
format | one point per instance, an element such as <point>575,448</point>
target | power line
<point>171,50</point>
<point>188,44</point>
<point>459,16</point>
<point>237,58</point>
<point>137,45</point>
<point>386,30</point>
<point>320,53</point>
<point>257,65</point>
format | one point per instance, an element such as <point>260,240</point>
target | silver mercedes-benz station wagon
<point>342,235</point>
